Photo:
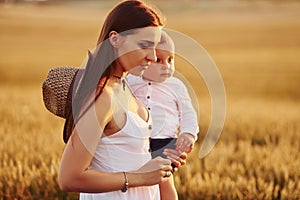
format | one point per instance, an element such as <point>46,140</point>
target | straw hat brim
<point>58,92</point>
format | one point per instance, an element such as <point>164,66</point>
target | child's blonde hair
<point>166,43</point>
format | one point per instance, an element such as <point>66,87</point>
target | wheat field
<point>256,46</point>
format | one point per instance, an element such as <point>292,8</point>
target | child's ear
<point>115,39</point>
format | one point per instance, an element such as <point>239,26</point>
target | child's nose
<point>166,66</point>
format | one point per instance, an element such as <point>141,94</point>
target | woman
<point>107,152</point>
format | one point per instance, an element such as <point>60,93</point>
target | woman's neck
<point>117,70</point>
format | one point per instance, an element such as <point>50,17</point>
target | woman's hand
<point>178,159</point>
<point>153,172</point>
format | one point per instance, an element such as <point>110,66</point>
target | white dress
<point>126,150</point>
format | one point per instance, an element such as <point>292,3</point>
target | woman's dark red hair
<point>123,18</point>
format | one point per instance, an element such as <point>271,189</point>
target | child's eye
<point>170,60</point>
<point>158,60</point>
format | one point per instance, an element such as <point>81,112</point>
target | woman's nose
<point>151,55</point>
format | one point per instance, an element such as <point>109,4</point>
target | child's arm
<point>185,142</point>
<point>187,113</point>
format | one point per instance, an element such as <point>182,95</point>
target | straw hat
<point>57,89</point>
<point>58,94</point>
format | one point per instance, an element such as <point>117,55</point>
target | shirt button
<point>149,108</point>
<point>149,83</point>
<point>148,97</point>
<point>149,150</point>
<point>150,127</point>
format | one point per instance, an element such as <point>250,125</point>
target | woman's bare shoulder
<point>104,99</point>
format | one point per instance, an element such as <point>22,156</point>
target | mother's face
<point>137,49</point>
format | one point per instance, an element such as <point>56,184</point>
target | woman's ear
<point>115,39</point>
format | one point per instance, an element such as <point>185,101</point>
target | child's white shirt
<point>169,105</point>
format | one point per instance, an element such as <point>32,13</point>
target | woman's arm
<point>74,174</point>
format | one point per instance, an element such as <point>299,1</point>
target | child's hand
<point>185,142</point>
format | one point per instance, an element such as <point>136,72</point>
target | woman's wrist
<point>135,179</point>
<point>126,183</point>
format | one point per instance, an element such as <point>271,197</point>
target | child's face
<point>162,69</point>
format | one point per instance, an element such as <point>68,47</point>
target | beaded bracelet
<point>126,183</point>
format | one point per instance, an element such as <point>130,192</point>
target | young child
<point>175,124</point>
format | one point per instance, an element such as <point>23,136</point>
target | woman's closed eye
<point>144,45</point>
